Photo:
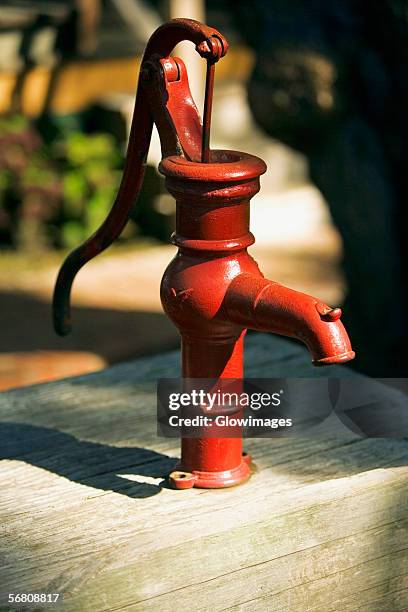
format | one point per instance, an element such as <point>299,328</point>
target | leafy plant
<point>53,194</point>
<point>90,178</point>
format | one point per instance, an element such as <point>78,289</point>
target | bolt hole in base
<point>247,458</point>
<point>180,479</point>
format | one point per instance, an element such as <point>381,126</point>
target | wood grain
<point>320,526</point>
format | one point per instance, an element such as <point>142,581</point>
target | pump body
<point>212,290</point>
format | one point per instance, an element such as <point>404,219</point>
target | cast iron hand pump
<point>213,289</point>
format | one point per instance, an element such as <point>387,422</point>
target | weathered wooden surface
<point>321,525</point>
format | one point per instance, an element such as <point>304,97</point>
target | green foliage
<point>90,179</point>
<point>13,124</point>
<point>81,149</point>
<point>54,194</point>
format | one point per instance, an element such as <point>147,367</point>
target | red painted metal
<point>178,124</point>
<point>212,290</point>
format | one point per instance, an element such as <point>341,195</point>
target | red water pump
<point>212,290</point>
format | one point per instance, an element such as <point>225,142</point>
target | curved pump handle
<point>179,126</point>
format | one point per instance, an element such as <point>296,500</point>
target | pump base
<point>180,479</point>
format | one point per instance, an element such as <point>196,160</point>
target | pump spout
<point>263,305</point>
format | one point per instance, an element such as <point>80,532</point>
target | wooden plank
<point>84,509</point>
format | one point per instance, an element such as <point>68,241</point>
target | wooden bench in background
<point>78,84</point>
<point>321,525</point>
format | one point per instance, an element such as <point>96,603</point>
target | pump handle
<point>211,45</point>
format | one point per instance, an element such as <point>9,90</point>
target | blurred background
<point>317,89</point>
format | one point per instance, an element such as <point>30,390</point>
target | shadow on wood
<point>86,463</point>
